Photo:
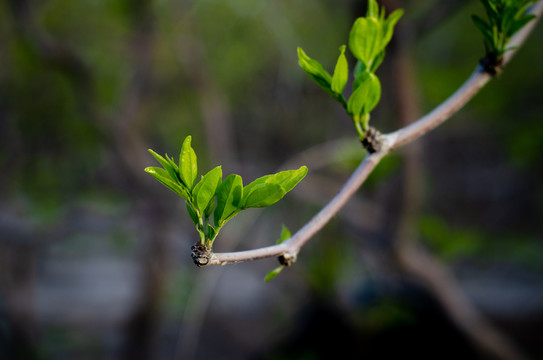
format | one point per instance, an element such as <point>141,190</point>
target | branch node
<point>287,259</point>
<point>492,64</point>
<point>373,140</point>
<point>201,255</point>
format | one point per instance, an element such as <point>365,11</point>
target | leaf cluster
<point>368,39</point>
<point>505,18</point>
<point>211,202</point>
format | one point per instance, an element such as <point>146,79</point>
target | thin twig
<point>443,112</point>
<point>289,248</point>
<point>466,92</point>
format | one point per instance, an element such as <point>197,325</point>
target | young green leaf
<point>211,232</point>
<point>366,95</point>
<point>520,23</point>
<point>262,195</point>
<point>505,18</point>
<point>273,273</point>
<point>285,234</point>
<point>257,182</point>
<point>287,179</point>
<point>373,9</point>
<point>374,94</point>
<point>269,189</point>
<point>315,70</point>
<point>359,96</point>
<point>388,26</point>
<point>491,10</point>
<point>366,39</point>
<point>229,195</point>
<point>290,178</point>
<point>210,207</point>
<point>377,61</point>
<point>174,166</point>
<point>172,169</point>
<point>204,191</point>
<point>163,176</point>
<point>192,213</point>
<point>484,27</point>
<point>188,167</point>
<point>341,72</point>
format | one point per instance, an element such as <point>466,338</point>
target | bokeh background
<point>95,254</point>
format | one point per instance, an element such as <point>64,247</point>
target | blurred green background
<point>95,254</point>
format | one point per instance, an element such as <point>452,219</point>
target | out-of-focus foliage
<point>456,243</point>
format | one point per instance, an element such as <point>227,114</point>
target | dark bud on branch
<point>200,254</point>
<point>287,260</point>
<point>373,140</point>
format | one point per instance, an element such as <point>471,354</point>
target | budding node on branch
<point>373,140</point>
<point>200,254</point>
<point>492,64</point>
<point>287,260</point>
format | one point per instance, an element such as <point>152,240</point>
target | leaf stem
<point>358,127</point>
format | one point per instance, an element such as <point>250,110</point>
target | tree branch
<point>288,250</point>
<point>290,247</point>
<point>466,92</point>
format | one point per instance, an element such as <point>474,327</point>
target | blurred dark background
<point>95,254</point>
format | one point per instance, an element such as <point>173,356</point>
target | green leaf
<point>273,273</point>
<point>374,94</point>
<point>491,11</point>
<point>290,178</point>
<point>358,68</point>
<point>257,182</point>
<point>484,27</point>
<point>317,73</point>
<point>172,169</point>
<point>341,72</point>
<point>359,96</point>
<point>174,166</point>
<point>229,195</point>
<point>286,179</point>
<point>188,167</point>
<point>315,70</point>
<point>211,232</point>
<point>163,176</point>
<point>366,95</point>
<point>192,213</point>
<point>269,189</point>
<point>519,24</point>
<point>388,26</point>
<point>204,191</point>
<point>377,61</point>
<point>507,17</point>
<point>285,234</point>
<point>262,195</point>
<point>366,39</point>
<point>373,9</point>
<point>210,207</point>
